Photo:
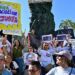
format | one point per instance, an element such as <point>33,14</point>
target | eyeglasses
<point>46,45</point>
<point>30,48</point>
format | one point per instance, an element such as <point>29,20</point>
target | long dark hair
<point>15,43</point>
<point>70,63</point>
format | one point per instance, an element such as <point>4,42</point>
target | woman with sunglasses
<point>46,58</point>
<point>64,60</point>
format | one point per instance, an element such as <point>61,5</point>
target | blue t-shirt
<point>61,71</point>
<point>6,72</point>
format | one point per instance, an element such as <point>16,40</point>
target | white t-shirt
<point>8,45</point>
<point>46,57</point>
<point>28,57</point>
<point>15,65</point>
<point>61,71</point>
<point>61,48</point>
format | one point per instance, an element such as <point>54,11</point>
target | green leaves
<point>68,23</point>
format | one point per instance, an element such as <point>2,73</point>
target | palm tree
<point>68,23</point>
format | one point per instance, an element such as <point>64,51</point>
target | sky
<point>62,10</point>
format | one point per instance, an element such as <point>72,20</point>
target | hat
<point>2,56</point>
<point>65,53</point>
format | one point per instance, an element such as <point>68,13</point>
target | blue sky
<point>62,9</point>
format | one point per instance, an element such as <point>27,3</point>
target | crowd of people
<point>55,58</point>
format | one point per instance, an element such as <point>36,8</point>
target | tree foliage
<point>42,19</point>
<point>68,23</point>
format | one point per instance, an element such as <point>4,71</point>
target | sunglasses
<point>33,70</point>
<point>60,56</point>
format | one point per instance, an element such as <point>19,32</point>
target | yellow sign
<point>10,16</point>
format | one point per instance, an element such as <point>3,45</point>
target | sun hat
<point>65,53</point>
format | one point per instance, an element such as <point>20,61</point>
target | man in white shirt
<point>6,43</point>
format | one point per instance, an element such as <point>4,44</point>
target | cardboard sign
<point>47,38</point>
<point>10,16</point>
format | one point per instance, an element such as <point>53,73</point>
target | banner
<point>10,16</point>
<point>13,32</point>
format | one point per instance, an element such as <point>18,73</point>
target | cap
<point>65,53</point>
<point>2,56</point>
